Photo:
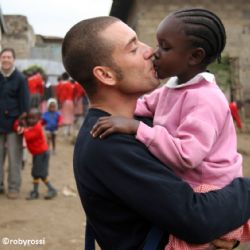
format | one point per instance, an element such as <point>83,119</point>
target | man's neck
<point>7,73</point>
<point>117,106</point>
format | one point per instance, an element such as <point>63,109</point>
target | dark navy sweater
<point>14,99</point>
<point>125,190</point>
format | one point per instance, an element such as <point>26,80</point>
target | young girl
<point>52,120</point>
<point>193,131</point>
<point>65,95</point>
<point>38,147</point>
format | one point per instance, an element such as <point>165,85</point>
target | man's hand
<point>114,124</point>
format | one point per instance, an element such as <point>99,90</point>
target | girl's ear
<point>104,75</point>
<point>197,56</point>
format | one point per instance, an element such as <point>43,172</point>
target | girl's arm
<point>189,144</point>
<point>59,120</point>
<point>146,105</point>
<point>116,124</point>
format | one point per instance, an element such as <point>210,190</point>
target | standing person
<point>38,147</point>
<point>191,134</point>
<point>14,104</point>
<point>36,89</point>
<point>66,98</point>
<point>52,119</point>
<point>80,109</point>
<point>48,93</point>
<point>123,188</point>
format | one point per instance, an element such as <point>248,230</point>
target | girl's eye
<point>164,48</point>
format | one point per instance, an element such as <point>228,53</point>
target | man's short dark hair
<point>83,48</point>
<point>10,50</point>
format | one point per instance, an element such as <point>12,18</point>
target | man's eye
<point>134,50</point>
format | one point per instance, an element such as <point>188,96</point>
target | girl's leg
<point>52,192</point>
<point>53,141</point>
<point>34,193</point>
<point>49,135</point>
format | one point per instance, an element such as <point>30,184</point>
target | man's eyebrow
<point>132,40</point>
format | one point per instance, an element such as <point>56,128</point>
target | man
<point>124,189</point>
<point>14,101</point>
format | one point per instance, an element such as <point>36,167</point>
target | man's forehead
<point>120,33</point>
<point>7,53</point>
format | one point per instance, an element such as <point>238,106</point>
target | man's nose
<point>148,53</point>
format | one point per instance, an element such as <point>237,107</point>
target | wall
<point>19,35</point>
<point>147,14</point>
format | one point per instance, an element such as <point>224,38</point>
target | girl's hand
<point>20,130</point>
<point>224,244</point>
<point>114,124</point>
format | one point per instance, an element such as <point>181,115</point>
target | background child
<point>38,147</point>
<point>65,96</point>
<point>193,131</point>
<point>52,120</point>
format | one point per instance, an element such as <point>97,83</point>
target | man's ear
<point>197,56</point>
<point>104,75</point>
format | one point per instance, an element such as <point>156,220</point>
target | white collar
<point>173,84</point>
<point>9,73</point>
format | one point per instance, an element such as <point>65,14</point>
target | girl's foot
<point>33,195</point>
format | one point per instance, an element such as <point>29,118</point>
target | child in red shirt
<point>38,147</point>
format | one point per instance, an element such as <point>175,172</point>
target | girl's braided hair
<point>205,30</point>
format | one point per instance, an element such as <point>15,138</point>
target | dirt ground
<point>59,223</point>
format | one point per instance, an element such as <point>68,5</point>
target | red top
<point>235,114</point>
<point>36,84</point>
<point>34,138</point>
<point>79,91</point>
<point>65,91</point>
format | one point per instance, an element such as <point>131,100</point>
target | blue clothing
<point>14,99</point>
<point>51,120</point>
<point>125,190</point>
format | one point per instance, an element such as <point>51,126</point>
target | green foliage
<point>34,69</point>
<point>222,72</point>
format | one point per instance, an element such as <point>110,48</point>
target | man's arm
<point>151,189</point>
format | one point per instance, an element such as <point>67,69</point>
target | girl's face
<point>52,107</point>
<point>174,52</point>
<point>32,119</point>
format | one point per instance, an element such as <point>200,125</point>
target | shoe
<point>13,195</point>
<point>33,195</point>
<point>51,194</point>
